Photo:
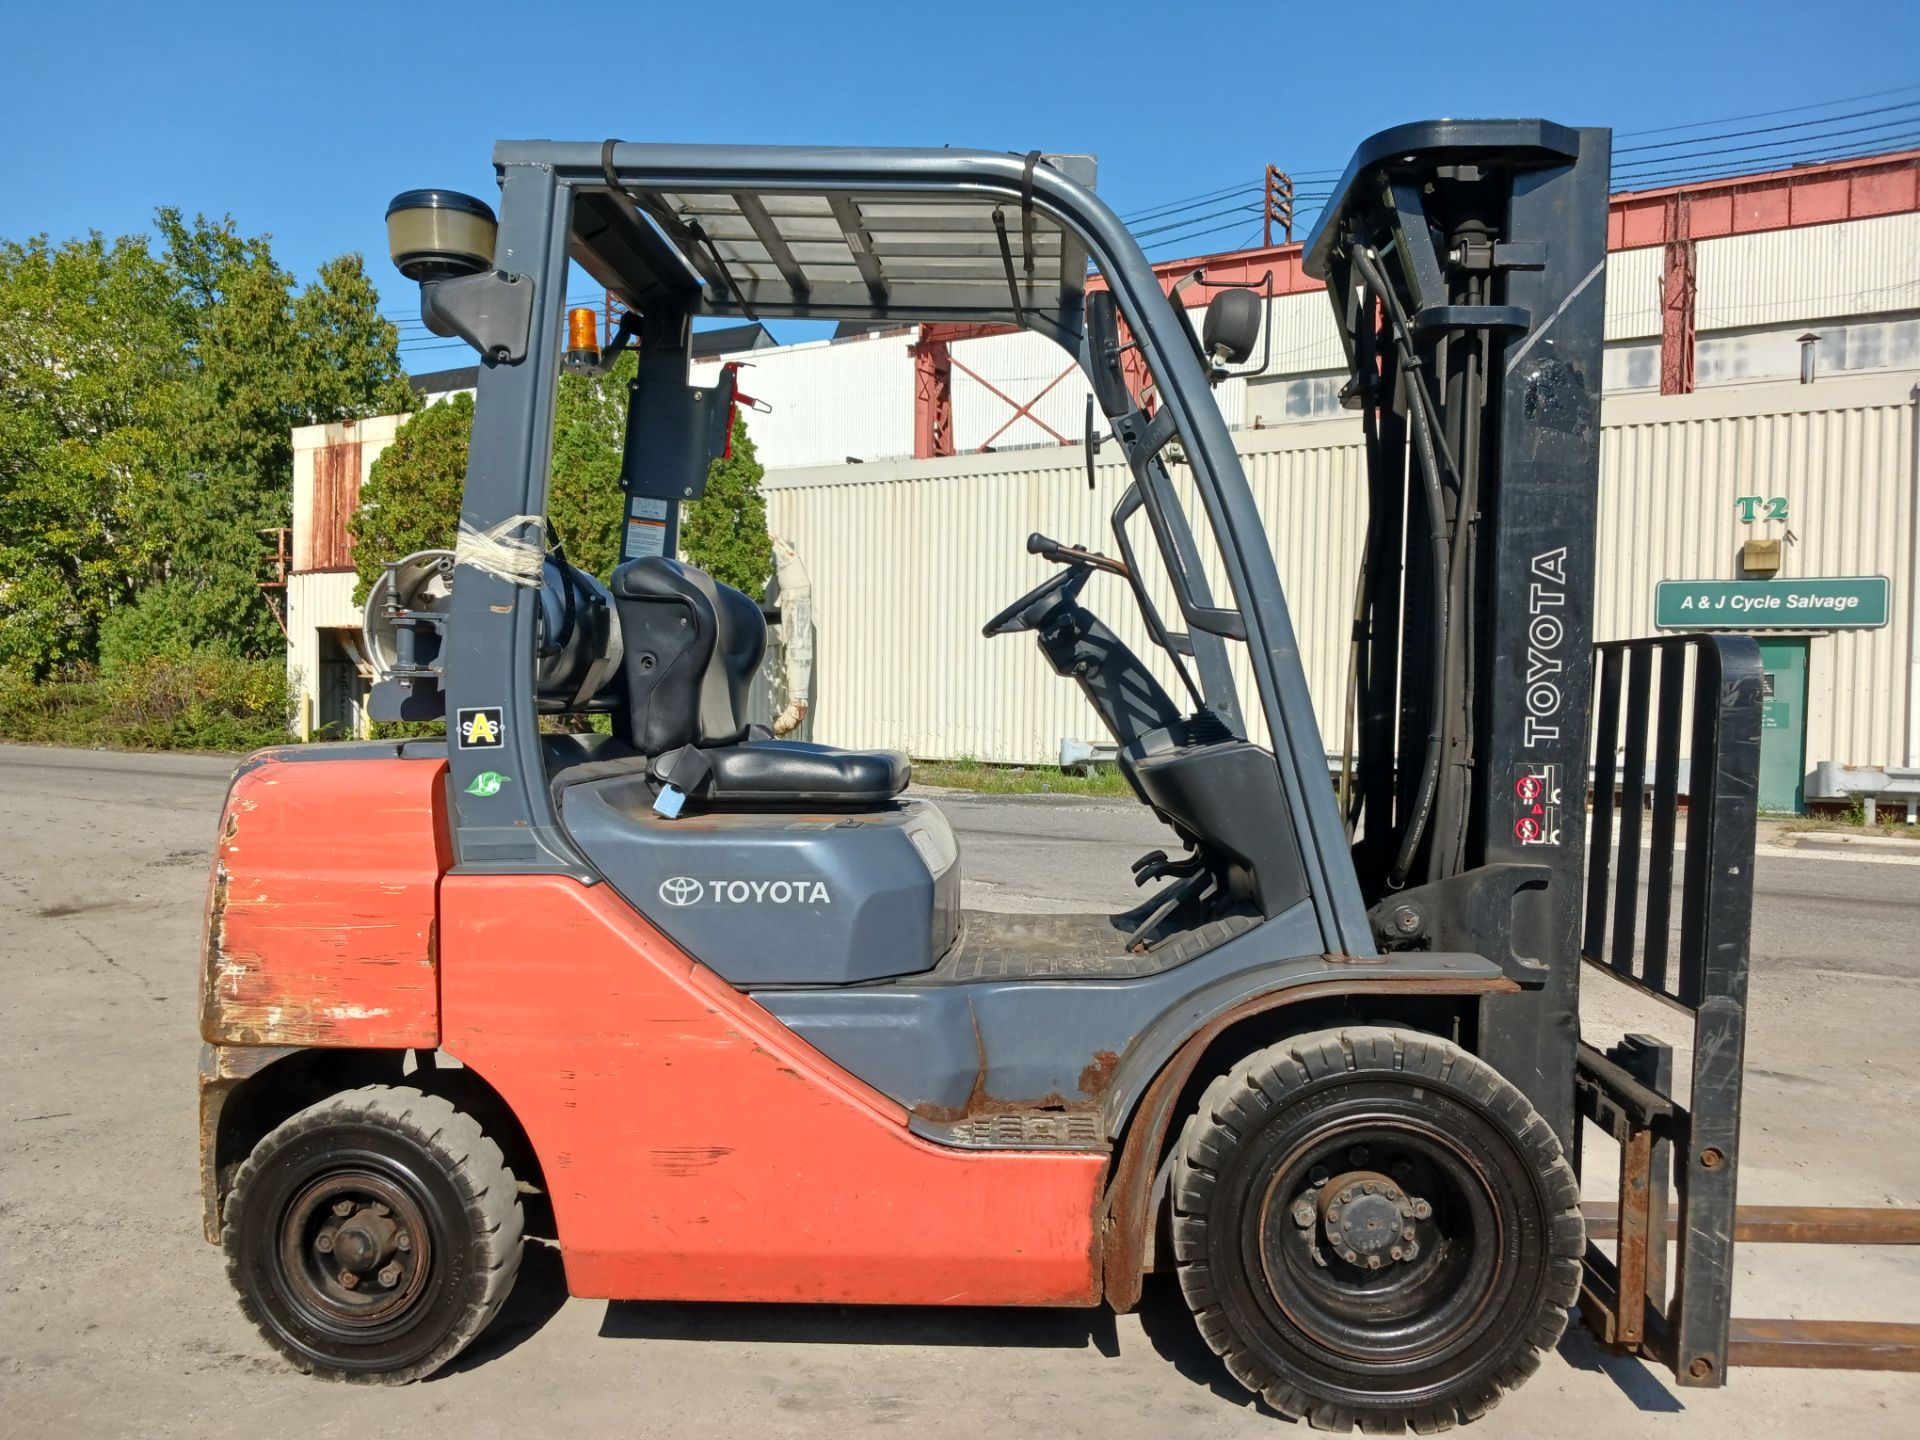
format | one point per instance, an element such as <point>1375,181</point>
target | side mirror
<point>1093,441</point>
<point>1102,362</point>
<point>1232,326</point>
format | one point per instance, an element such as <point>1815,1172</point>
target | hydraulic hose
<point>1426,452</point>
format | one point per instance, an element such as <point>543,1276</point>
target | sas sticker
<point>487,783</point>
<point>481,728</point>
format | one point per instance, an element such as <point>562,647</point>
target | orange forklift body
<point>694,1148</point>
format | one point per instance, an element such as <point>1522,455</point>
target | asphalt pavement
<point>118,1321</point>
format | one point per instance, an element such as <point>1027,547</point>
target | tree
<point>411,500</point>
<point>725,531</point>
<point>145,405</point>
<point>90,344</point>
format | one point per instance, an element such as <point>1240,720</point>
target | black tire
<point>1456,1313</point>
<point>431,1237</point>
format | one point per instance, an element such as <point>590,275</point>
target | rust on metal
<point>1098,1073</point>
<point>320,920</point>
<point>1636,1166</point>
<point>222,1067</point>
<point>1793,1224</point>
<point>1824,1344</point>
<point>1129,1217</point>
<point>328,544</point>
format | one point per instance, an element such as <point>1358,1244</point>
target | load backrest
<point>692,646</point>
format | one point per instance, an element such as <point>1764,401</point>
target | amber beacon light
<point>583,337</point>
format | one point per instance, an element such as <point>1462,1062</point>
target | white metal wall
<point>1815,272</point>
<point>830,399</point>
<point>323,599</point>
<point>908,558</point>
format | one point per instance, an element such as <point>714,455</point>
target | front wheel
<point>373,1235</point>
<point>1374,1228</point>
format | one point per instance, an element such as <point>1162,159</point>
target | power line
<point>1771,129</point>
<point>1732,169</point>
<point>1767,114</point>
<point>1803,145</point>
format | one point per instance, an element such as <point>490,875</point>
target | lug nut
<point>1333,1214</point>
<point>343,1208</point>
<point>1406,1232</point>
<point>349,1279</point>
<point>390,1274</point>
<point>324,1242</point>
<point>403,1241</point>
<point>1421,1210</point>
<point>1410,1251</point>
<point>1303,1214</point>
<point>380,1209</point>
<point>1397,1253</point>
<point>1373,1262</point>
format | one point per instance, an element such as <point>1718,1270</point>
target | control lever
<point>1038,544</point>
<point>1155,865</point>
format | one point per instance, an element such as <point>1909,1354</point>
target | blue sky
<point>303,121</point>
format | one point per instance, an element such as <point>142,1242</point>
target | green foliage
<point>200,702</point>
<point>725,532</point>
<point>145,405</point>
<point>169,620</point>
<point>411,501</point>
<point>586,502</point>
<point>967,773</point>
<point>89,343</point>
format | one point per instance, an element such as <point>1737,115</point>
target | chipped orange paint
<point>320,911</point>
<point>696,1149</point>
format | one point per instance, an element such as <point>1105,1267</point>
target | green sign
<point>1846,602</point>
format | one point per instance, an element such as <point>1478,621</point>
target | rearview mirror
<point>1093,441</point>
<point>1232,326</point>
<point>1103,367</point>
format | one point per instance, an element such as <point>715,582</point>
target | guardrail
<point>1871,785</point>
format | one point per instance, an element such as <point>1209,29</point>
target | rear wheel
<point>1374,1228</point>
<point>373,1235</point>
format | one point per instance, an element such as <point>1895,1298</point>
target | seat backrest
<point>691,646</point>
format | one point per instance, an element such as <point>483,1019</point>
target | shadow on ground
<point>1634,1378</point>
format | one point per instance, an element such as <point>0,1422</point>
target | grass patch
<point>1893,825</point>
<point>987,779</point>
<point>205,702</point>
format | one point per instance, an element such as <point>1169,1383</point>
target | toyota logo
<point>680,890</point>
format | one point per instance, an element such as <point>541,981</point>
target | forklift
<point>704,1006</point>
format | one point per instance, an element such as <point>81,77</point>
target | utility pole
<point>1279,205</point>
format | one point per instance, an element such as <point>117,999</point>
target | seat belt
<point>680,772</point>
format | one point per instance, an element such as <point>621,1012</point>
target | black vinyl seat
<point>692,646</point>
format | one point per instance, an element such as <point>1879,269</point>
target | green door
<point>1783,725</point>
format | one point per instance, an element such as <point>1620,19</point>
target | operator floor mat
<point>994,946</point>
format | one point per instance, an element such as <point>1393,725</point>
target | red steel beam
<point>1676,216</point>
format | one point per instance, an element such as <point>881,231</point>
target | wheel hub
<point>355,1248</point>
<point>364,1240</point>
<point>1368,1219</point>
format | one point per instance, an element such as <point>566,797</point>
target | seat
<point>691,649</point>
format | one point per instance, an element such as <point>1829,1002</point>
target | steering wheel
<point>1031,610</point>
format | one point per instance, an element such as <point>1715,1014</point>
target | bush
<point>199,702</point>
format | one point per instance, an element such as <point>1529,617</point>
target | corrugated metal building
<point>909,557</point>
<point>1718,296</point>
